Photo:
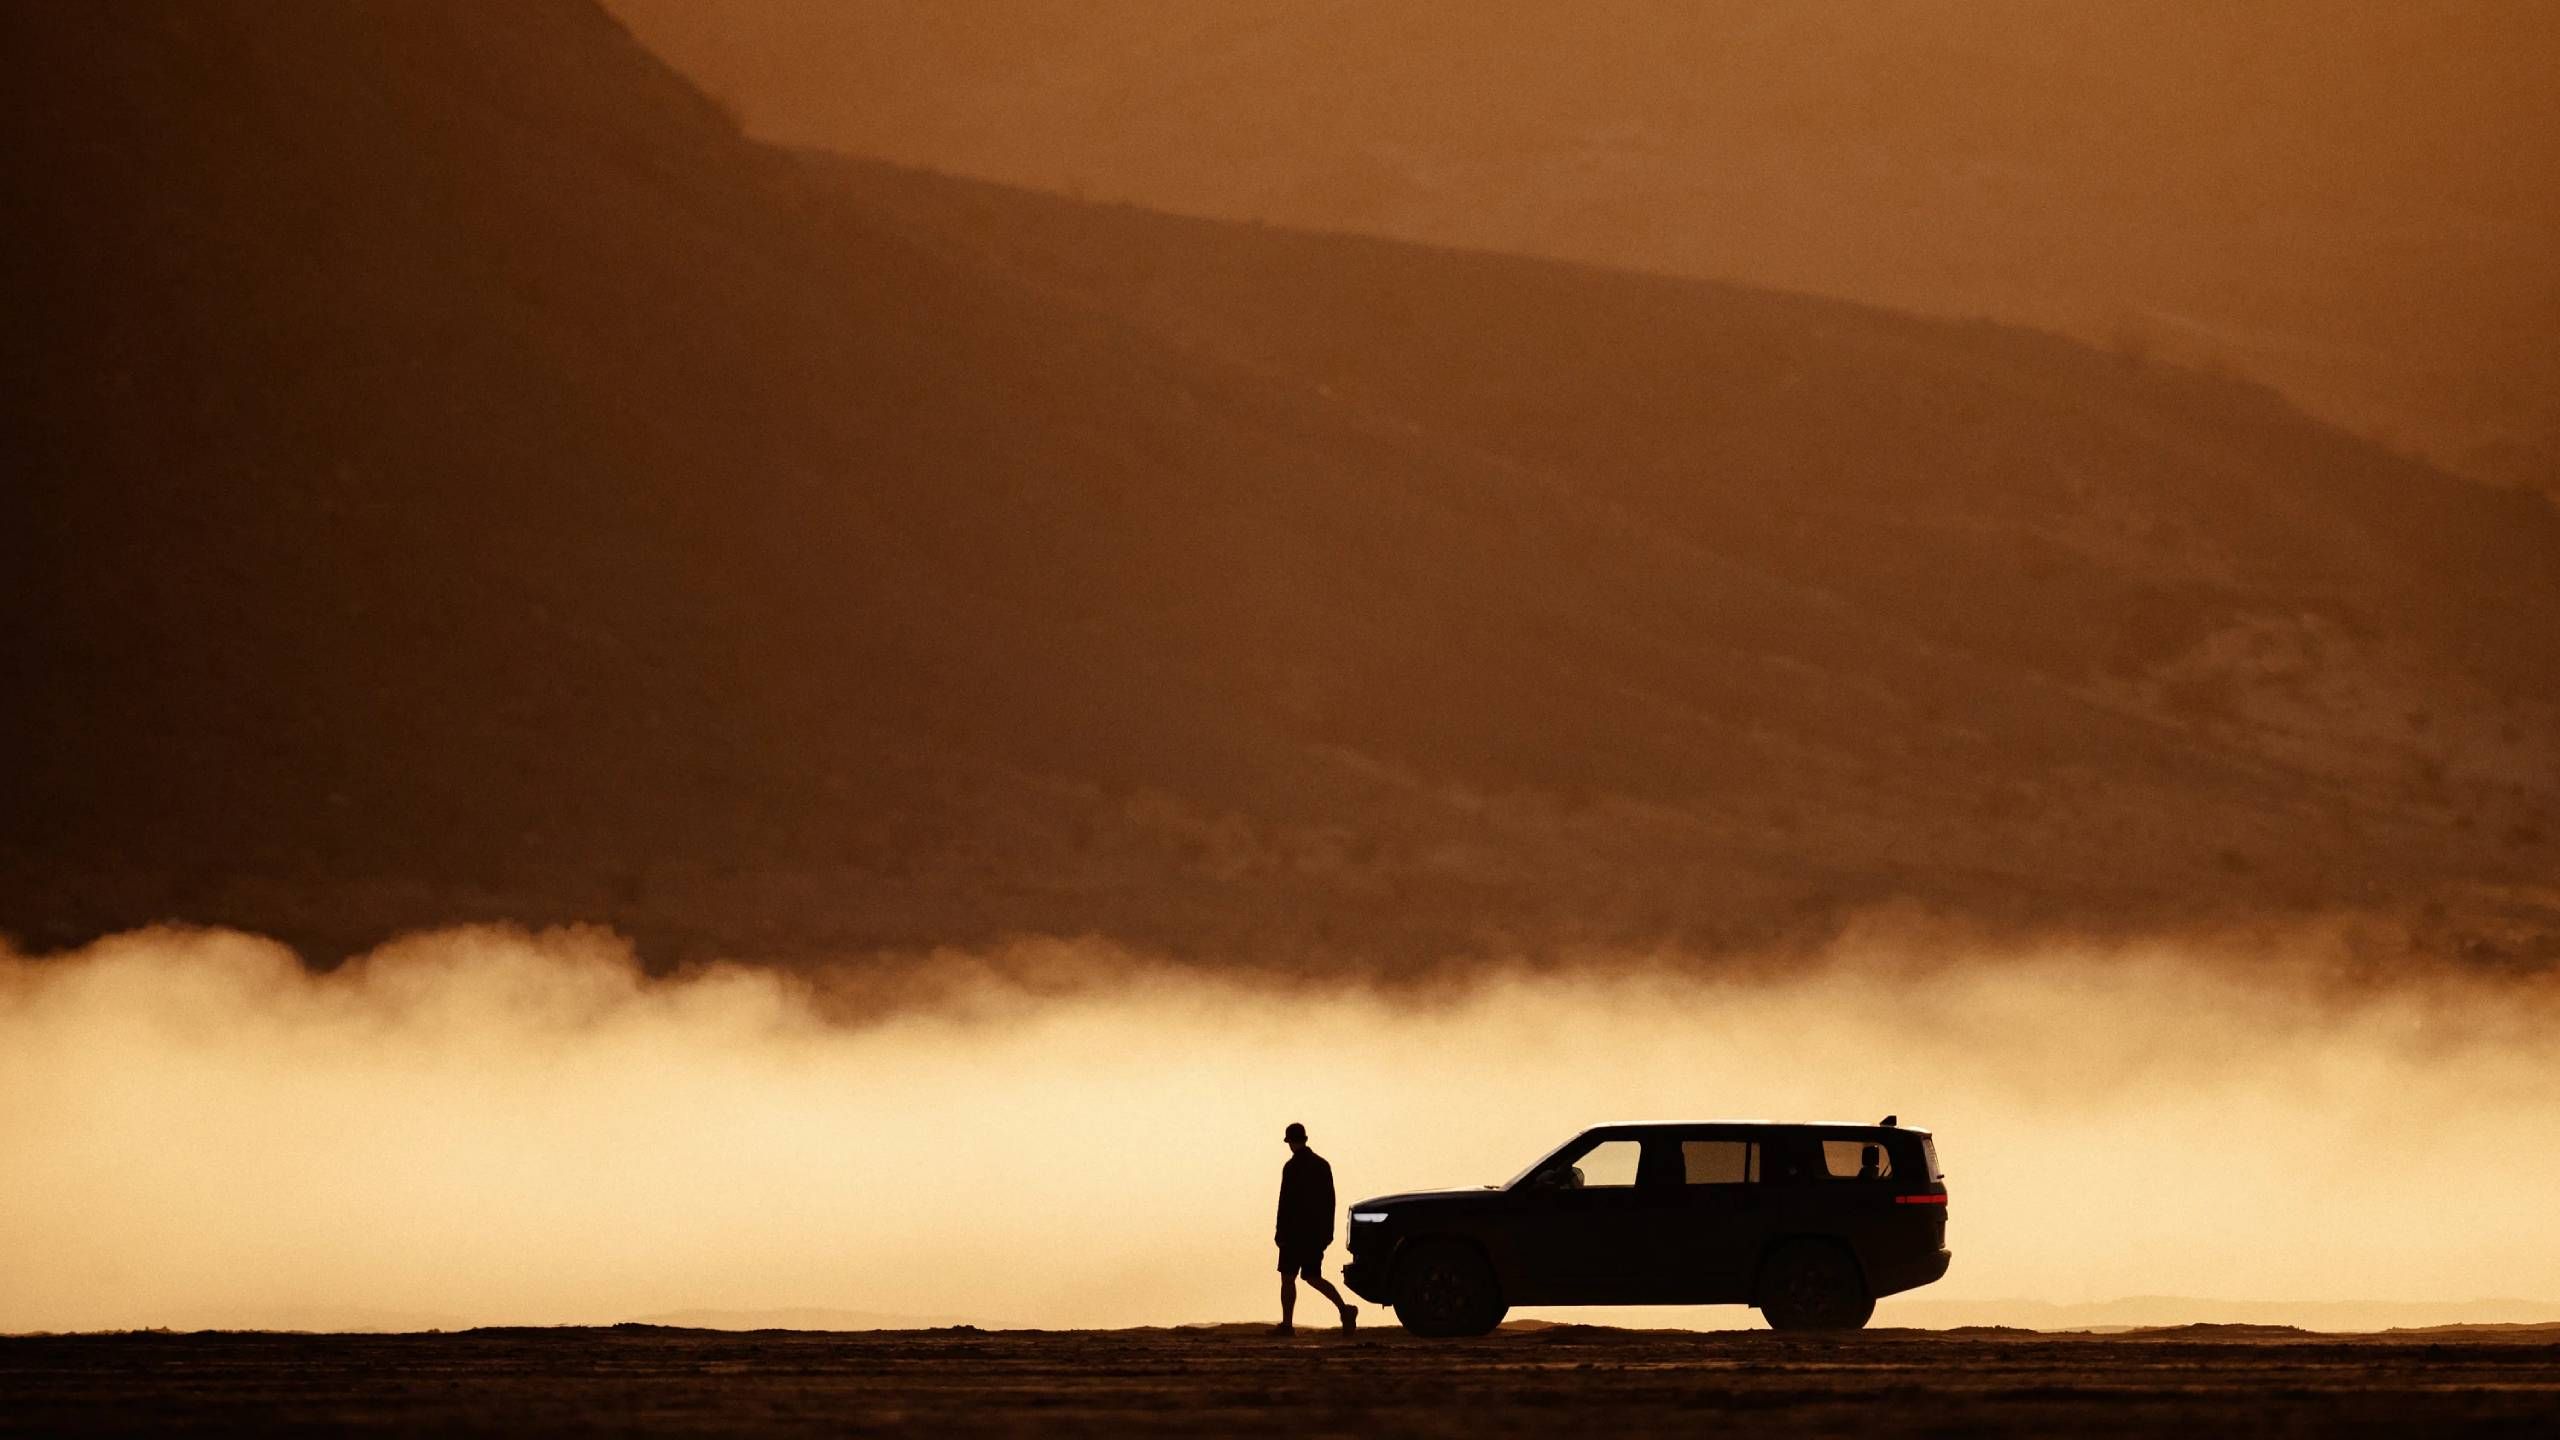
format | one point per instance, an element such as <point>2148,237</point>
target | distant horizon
<point>2087,1318</point>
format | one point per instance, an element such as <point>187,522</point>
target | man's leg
<point>1288,1297</point>
<point>1325,1288</point>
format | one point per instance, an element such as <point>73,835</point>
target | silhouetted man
<point>1305,1228</point>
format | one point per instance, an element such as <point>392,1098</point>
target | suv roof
<point>1755,1125</point>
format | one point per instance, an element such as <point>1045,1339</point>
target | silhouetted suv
<point>1808,1222</point>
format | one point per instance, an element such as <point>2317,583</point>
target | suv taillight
<point>1919,1199</point>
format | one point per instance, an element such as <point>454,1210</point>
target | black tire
<point>1811,1285</point>
<point>1444,1288</point>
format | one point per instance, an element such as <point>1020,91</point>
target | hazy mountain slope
<point>1820,440</point>
<point>2376,641</point>
<point>457,475</point>
<point>450,453</point>
<point>2356,202</point>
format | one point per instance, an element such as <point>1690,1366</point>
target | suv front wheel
<point>1810,1285</point>
<point>1444,1288</point>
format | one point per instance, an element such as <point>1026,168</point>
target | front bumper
<point>1367,1276</point>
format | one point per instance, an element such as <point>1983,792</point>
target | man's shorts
<point>1307,1260</point>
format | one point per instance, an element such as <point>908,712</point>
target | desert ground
<point>1238,1380</point>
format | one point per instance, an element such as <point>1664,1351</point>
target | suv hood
<point>1425,1197</point>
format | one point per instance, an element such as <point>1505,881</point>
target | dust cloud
<point>483,1126</point>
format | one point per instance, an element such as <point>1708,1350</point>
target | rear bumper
<point>1891,1277</point>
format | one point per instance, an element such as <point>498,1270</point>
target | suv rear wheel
<point>1444,1288</point>
<point>1810,1285</point>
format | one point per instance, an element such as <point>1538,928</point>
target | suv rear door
<point>1706,1238</point>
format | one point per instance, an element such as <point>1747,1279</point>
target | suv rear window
<point>1856,1160</point>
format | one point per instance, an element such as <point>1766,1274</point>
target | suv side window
<point>1856,1160</point>
<point>1791,1159</point>
<point>1720,1162</point>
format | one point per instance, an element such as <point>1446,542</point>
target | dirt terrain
<point>1234,1379</point>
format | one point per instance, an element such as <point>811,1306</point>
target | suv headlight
<point>1368,1217</point>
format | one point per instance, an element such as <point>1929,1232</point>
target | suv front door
<point>1577,1225</point>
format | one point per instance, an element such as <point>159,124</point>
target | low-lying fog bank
<point>485,1126</point>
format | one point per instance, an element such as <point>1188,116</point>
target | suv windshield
<point>1541,1163</point>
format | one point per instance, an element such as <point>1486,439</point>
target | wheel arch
<point>1778,1245</point>
<point>1413,1243</point>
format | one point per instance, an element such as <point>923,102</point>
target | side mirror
<point>1564,1178</point>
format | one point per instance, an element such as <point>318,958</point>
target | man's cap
<point>1295,1131</point>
